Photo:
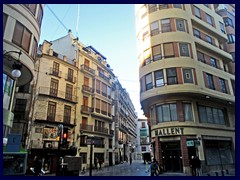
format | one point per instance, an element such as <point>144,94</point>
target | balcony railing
<point>53,117</point>
<point>87,69</point>
<point>55,72</point>
<point>86,127</point>
<point>101,129</point>
<point>86,109</point>
<point>70,78</point>
<point>58,94</point>
<point>104,77</point>
<point>86,88</point>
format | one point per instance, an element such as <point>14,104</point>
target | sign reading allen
<point>169,131</point>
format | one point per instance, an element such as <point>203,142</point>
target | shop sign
<point>169,131</point>
<point>190,143</point>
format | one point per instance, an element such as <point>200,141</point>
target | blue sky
<point>109,28</point>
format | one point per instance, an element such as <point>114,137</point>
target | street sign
<point>190,143</point>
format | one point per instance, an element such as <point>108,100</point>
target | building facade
<point>187,88</point>
<point>21,33</point>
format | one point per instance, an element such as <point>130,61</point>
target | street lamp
<point>17,66</point>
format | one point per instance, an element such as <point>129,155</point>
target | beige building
<point>187,88</point>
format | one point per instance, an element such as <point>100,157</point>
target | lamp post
<point>90,141</point>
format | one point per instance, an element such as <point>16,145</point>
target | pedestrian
<point>130,160</point>
<point>37,166</point>
<point>100,163</point>
<point>192,164</point>
<point>96,163</point>
<point>198,166</point>
<point>154,168</point>
<point>147,165</point>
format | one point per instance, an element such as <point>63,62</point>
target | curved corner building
<point>21,33</point>
<point>186,90</point>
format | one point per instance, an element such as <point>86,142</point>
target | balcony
<point>59,118</point>
<point>70,78</point>
<point>124,128</point>
<point>87,89</point>
<point>57,94</point>
<point>86,127</point>
<point>88,70</point>
<point>55,73</point>
<point>104,77</point>
<point>86,109</point>
<point>101,129</point>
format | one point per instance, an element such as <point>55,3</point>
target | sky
<point>109,28</point>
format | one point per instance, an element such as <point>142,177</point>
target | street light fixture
<point>17,65</point>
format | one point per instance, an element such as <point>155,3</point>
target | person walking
<point>198,166</point>
<point>37,166</point>
<point>192,164</point>
<point>96,163</point>
<point>154,168</point>
<point>147,165</point>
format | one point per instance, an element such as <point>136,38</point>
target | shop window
<point>154,28</point>
<point>171,76</point>
<point>184,50</point>
<point>187,76</point>
<point>149,83</point>
<point>159,79</point>
<point>180,25</point>
<point>166,113</point>
<point>187,111</point>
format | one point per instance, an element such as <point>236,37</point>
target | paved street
<point>137,168</point>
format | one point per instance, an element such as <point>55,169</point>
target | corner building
<point>186,89</point>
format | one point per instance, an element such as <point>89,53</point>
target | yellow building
<point>187,89</point>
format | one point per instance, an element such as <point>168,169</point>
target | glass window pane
<point>209,115</point>
<point>168,50</point>
<point>202,114</point>
<point>180,25</point>
<point>159,114</point>
<point>187,110</point>
<point>166,113</point>
<point>184,51</point>
<point>173,110</point>
<point>18,33</point>
<point>187,76</point>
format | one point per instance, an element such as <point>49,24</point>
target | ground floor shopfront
<point>174,146</point>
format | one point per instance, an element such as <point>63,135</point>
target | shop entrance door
<point>172,160</point>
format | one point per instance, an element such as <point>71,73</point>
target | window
<point>233,56</point>
<point>54,87</point>
<point>231,38</point>
<point>69,89</point>
<point>213,62</point>
<point>70,75</point>
<point>34,48</point>
<point>187,76</point>
<point>209,19</point>
<point>83,140</point>
<point>184,51</point>
<point>145,33</point>
<point>104,108</point>
<point>55,70</point>
<point>187,112</point>
<point>180,25</point>
<point>156,52</point>
<point>168,50</point>
<point>21,36</point>
<point>25,88</point>
<point>149,84</point>
<point>143,125</point>
<point>200,56</point>
<point>109,110</point>
<point>196,33</point>
<point>20,108</point>
<point>104,89</point>
<point>98,86</point>
<point>210,83</point>
<point>147,57</point>
<point>177,6</point>
<point>222,85</point>
<point>32,8</point>
<point>152,8</point>
<point>109,92</point>
<point>227,21</point>
<point>197,12</point>
<point>171,76</point>
<point>7,91</point>
<point>154,28</point>
<point>5,17</point>
<point>209,39</point>
<point>165,25</point>
<point>51,111</point>
<point>207,5</point>
<point>159,79</point>
<point>40,15</point>
<point>222,27</point>
<point>67,114</point>
<point>144,11</point>
<point>211,115</point>
<point>166,113</point>
<point>163,6</point>
<point>97,109</point>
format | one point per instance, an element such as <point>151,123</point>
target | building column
<point>185,159</point>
